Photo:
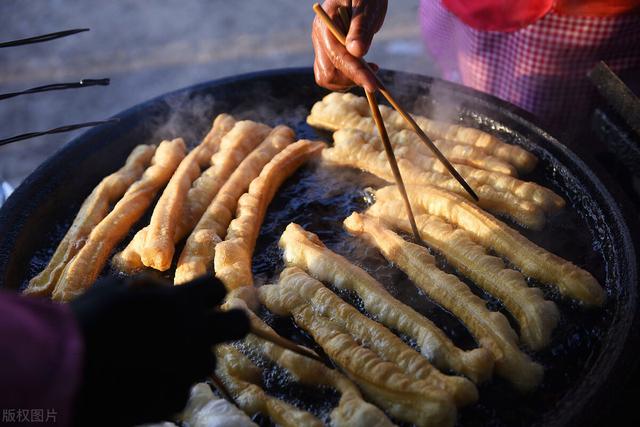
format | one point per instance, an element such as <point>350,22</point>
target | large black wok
<point>592,350</point>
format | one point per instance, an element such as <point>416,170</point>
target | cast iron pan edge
<point>20,211</point>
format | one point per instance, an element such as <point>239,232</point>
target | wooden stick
<point>377,117</point>
<point>345,17</point>
<point>406,116</point>
<point>285,343</point>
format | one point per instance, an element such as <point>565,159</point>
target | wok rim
<point>588,405</point>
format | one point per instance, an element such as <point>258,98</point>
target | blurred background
<point>152,47</point>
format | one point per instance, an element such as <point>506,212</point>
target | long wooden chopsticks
<point>345,17</point>
<point>285,343</point>
<point>382,130</point>
<point>339,35</point>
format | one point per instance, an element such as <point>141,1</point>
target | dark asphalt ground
<point>152,47</point>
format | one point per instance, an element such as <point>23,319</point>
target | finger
<point>227,325</point>
<point>347,64</point>
<point>375,67</point>
<point>367,18</point>
<point>205,291</point>
<point>326,74</point>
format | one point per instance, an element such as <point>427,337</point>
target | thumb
<point>360,34</point>
<point>365,22</point>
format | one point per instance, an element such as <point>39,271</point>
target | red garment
<point>40,361</point>
<point>541,67</point>
<point>512,15</point>
<point>498,15</point>
<point>595,8</point>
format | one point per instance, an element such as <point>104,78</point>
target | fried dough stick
<point>241,141</point>
<point>157,251</point>
<point>345,110</point>
<point>356,153</point>
<point>416,401</point>
<point>93,210</point>
<point>85,266</point>
<point>241,377</point>
<point>531,259</point>
<point>372,334</point>
<point>305,250</point>
<point>536,316</point>
<point>404,144</point>
<point>129,260</point>
<point>234,146</point>
<point>352,410</point>
<point>233,256</point>
<point>491,329</point>
<point>457,153</point>
<point>199,250</point>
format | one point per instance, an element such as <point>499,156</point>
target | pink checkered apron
<point>541,67</point>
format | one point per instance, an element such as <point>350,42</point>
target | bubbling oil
<point>320,196</point>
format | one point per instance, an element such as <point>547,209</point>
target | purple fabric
<point>542,67</point>
<point>40,361</point>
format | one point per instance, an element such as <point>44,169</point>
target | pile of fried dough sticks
<point>215,198</point>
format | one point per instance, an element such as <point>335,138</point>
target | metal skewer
<point>42,38</point>
<point>406,116</point>
<point>58,86</point>
<point>61,129</point>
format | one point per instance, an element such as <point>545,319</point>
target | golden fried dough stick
<point>157,251</point>
<point>345,110</point>
<point>305,250</point>
<point>233,256</point>
<point>129,260</point>
<point>352,410</point>
<point>373,335</point>
<point>242,378</point>
<point>234,146</point>
<point>199,250</point>
<point>530,191</point>
<point>462,154</point>
<point>384,382</point>
<point>491,329</point>
<point>531,259</point>
<point>85,266</point>
<point>536,316</point>
<point>93,210</point>
<point>355,152</point>
<point>457,153</point>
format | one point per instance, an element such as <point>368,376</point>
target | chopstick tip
<point>473,194</point>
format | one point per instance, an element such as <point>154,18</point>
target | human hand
<point>146,343</point>
<point>337,67</point>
